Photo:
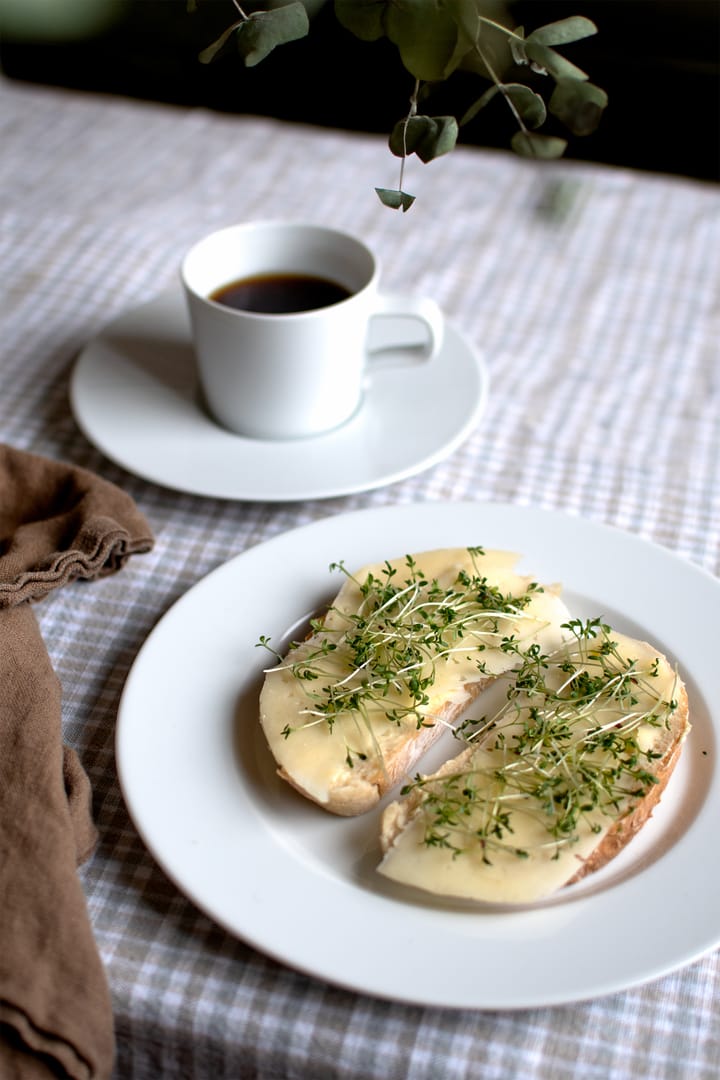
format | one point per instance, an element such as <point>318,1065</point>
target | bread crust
<point>362,787</point>
<point>622,832</point>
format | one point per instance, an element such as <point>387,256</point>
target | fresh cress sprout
<point>378,664</point>
<point>563,748</point>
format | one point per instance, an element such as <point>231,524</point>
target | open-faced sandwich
<point>553,783</point>
<point>404,648</point>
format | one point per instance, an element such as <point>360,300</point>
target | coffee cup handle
<point>404,330</point>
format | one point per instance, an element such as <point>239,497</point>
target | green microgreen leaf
<point>563,749</point>
<point>387,651</point>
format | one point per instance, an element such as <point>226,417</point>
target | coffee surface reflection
<point>280,294</point>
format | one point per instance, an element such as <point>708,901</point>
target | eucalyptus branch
<point>412,111</point>
<point>434,41</point>
<point>499,26</point>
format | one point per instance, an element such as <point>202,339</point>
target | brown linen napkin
<point>57,523</point>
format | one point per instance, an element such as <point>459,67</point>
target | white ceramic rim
<point>190,275</point>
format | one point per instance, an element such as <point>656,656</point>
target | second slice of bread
<point>551,786</point>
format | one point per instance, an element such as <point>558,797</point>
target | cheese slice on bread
<point>553,783</point>
<point>404,648</point>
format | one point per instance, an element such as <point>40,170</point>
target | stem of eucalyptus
<point>412,111</point>
<point>501,87</point>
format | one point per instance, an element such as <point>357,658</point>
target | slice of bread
<point>551,786</point>
<point>404,648</point>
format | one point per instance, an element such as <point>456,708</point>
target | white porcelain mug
<point>295,373</point>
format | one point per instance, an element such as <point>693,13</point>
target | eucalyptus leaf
<point>212,50</point>
<point>427,36</point>
<point>530,106</point>
<point>396,200</point>
<point>427,136</point>
<point>363,18</point>
<point>531,144</point>
<point>546,59</point>
<point>478,105</point>
<point>467,20</point>
<point>579,105</point>
<point>262,31</point>
<point>563,31</point>
<point>517,46</point>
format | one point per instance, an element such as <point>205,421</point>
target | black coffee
<point>280,294</point>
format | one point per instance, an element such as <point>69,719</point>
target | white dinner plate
<point>134,395</point>
<point>301,885</point>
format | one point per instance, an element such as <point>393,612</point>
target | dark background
<point>659,61</point>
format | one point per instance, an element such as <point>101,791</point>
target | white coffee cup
<point>300,373</point>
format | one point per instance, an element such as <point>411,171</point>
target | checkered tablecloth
<point>594,294</point>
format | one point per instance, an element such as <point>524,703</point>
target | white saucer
<point>134,395</point>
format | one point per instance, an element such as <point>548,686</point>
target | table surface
<point>593,294</point>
